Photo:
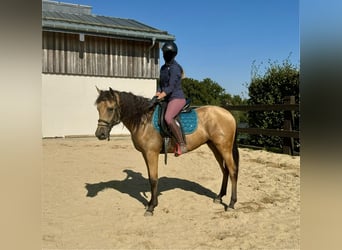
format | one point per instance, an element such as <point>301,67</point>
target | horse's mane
<point>135,109</point>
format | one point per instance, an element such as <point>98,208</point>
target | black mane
<point>134,110</point>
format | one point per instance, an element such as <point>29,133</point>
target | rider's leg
<point>173,109</point>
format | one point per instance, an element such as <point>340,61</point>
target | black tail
<point>236,155</point>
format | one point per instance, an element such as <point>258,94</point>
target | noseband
<point>109,125</point>
<point>116,117</point>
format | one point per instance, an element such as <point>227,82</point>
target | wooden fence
<point>287,133</point>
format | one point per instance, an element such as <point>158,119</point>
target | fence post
<point>288,146</point>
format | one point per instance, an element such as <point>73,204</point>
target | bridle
<point>111,124</point>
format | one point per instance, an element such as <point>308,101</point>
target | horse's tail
<point>236,155</point>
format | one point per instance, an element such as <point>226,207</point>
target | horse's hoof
<point>148,213</point>
<point>218,200</point>
<point>229,208</point>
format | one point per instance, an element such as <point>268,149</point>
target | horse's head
<point>108,107</point>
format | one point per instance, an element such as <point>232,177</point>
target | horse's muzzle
<point>101,133</point>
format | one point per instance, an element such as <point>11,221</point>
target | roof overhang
<point>94,30</point>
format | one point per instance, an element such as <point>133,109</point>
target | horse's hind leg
<point>225,172</point>
<point>233,174</point>
<point>229,168</point>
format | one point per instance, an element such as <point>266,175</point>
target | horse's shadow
<point>136,186</point>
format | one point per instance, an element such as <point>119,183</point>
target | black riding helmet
<point>170,50</point>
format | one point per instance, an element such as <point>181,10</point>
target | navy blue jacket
<point>171,80</point>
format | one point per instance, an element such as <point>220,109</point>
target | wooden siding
<point>64,53</point>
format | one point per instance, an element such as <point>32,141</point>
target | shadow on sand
<point>136,186</point>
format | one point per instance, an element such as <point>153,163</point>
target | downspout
<point>153,43</point>
<point>149,48</point>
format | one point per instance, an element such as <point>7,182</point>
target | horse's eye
<point>110,110</point>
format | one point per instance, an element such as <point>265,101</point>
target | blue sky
<point>218,39</point>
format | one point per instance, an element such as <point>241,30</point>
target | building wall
<point>67,53</point>
<point>68,107</point>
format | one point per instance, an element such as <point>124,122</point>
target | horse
<point>216,128</point>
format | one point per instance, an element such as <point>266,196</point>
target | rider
<point>170,87</point>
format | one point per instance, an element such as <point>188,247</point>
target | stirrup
<point>180,149</point>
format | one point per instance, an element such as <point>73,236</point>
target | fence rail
<point>264,107</point>
<point>288,134</point>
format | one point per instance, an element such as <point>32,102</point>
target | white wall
<point>68,102</point>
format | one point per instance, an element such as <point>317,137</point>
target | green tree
<point>279,80</point>
<point>210,92</point>
<point>203,92</point>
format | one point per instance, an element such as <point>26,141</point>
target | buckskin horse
<point>216,127</point>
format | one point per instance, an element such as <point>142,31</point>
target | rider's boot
<point>177,133</point>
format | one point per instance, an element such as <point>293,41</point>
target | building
<point>82,50</point>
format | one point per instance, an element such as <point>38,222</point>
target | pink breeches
<point>173,108</point>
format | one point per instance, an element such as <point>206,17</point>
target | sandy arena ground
<point>94,193</point>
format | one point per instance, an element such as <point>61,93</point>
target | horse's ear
<point>111,91</point>
<point>98,90</point>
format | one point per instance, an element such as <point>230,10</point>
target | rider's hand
<point>161,95</point>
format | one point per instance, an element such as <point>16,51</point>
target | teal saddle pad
<point>188,120</point>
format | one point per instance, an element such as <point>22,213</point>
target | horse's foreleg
<point>151,160</point>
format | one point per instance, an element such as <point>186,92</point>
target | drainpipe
<point>149,48</point>
<point>153,43</point>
